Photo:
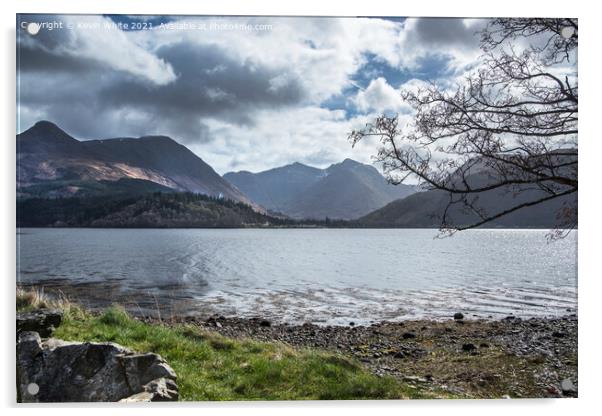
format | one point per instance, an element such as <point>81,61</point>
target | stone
<point>414,379</point>
<point>42,321</point>
<point>142,368</point>
<point>567,387</point>
<point>141,397</point>
<point>265,323</point>
<point>161,390</point>
<point>468,347</point>
<point>408,335</point>
<point>89,372</point>
<point>458,316</point>
<point>30,344</point>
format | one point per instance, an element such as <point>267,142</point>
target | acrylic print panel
<point>291,208</point>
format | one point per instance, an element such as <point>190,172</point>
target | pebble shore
<point>506,358</point>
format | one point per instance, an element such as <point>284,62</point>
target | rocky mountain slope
<point>52,163</point>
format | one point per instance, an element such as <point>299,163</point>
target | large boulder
<point>42,321</point>
<point>59,371</point>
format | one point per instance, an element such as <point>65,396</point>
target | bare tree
<point>513,119</point>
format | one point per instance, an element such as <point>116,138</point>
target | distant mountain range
<point>119,182</point>
<point>51,163</point>
<point>346,190</point>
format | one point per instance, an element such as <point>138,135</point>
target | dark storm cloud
<point>209,83</point>
<point>445,31</point>
<point>90,99</point>
<point>40,60</point>
<point>46,51</point>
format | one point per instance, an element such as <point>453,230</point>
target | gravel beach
<point>510,358</point>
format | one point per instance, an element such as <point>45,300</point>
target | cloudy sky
<point>242,93</point>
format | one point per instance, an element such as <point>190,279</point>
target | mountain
<point>52,163</point>
<point>425,209</point>
<point>274,188</point>
<point>345,190</point>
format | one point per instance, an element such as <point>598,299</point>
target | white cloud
<point>97,39</point>
<point>381,97</point>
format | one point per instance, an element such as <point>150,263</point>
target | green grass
<point>212,367</point>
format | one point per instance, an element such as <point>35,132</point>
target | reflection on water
<point>320,275</point>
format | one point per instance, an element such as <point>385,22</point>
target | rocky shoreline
<point>472,358</point>
<point>511,357</point>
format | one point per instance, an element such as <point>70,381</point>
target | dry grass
<point>36,298</point>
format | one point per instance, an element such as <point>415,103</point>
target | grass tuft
<point>36,298</point>
<point>115,316</point>
<point>31,299</point>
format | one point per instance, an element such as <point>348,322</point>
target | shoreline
<point>180,305</point>
<point>533,357</point>
<point>461,358</point>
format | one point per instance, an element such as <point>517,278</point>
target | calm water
<point>323,275</point>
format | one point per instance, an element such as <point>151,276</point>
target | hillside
<point>155,210</point>
<point>425,209</point>
<point>52,163</point>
